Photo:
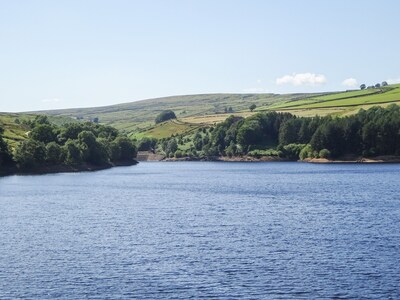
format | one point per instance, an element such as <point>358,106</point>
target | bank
<point>51,169</point>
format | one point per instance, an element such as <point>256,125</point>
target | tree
<point>44,133</point>
<point>54,154</point>
<point>5,155</point>
<point>147,144</point>
<point>378,85</point>
<point>93,152</point>
<point>41,119</point>
<point>289,131</point>
<point>165,116</point>
<point>171,147</point>
<point>363,86</point>
<point>252,107</point>
<point>230,109</point>
<point>384,83</point>
<point>127,148</point>
<point>198,141</point>
<point>30,153</point>
<point>250,133</point>
<point>73,153</point>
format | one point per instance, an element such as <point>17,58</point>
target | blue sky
<point>60,54</point>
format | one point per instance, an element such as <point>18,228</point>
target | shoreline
<point>342,160</point>
<point>42,170</point>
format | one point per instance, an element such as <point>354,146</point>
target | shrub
<point>178,154</point>
<point>306,152</point>
<point>324,153</point>
<point>292,151</point>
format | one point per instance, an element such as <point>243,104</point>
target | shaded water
<point>203,230</point>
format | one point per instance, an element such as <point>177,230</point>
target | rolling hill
<point>139,115</point>
<point>193,111</point>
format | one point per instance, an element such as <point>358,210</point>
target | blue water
<point>203,230</point>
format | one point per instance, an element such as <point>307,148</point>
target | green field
<point>14,132</point>
<point>345,99</point>
<point>14,129</point>
<point>166,129</point>
<point>193,111</point>
<point>139,115</point>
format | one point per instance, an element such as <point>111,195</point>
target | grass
<point>139,115</point>
<point>14,132</point>
<point>193,111</point>
<point>167,129</point>
<point>345,99</point>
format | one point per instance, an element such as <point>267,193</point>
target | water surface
<point>203,230</point>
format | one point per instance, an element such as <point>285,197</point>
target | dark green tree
<point>54,154</point>
<point>127,148</point>
<point>30,154</point>
<point>165,116</point>
<point>44,133</point>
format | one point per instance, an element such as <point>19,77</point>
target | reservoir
<point>211,230</point>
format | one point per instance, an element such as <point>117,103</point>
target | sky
<point>84,53</point>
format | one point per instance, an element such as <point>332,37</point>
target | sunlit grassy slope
<point>344,100</point>
<point>15,131</point>
<point>193,111</point>
<point>135,116</point>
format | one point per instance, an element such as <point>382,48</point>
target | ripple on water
<point>203,230</point>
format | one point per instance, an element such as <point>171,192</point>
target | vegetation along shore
<point>73,147</point>
<point>342,127</point>
<point>371,135</point>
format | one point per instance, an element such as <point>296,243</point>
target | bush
<point>306,152</point>
<point>258,153</point>
<point>292,151</point>
<point>324,153</point>
<point>147,144</point>
<point>178,154</point>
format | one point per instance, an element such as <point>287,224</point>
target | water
<point>203,230</point>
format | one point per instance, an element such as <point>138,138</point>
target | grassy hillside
<point>166,129</point>
<point>14,131</point>
<point>341,103</point>
<point>139,115</point>
<point>193,111</point>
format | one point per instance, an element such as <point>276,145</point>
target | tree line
<point>73,144</point>
<point>368,133</point>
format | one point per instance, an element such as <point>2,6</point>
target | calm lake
<point>203,230</point>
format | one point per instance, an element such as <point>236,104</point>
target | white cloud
<point>259,80</point>
<point>50,100</point>
<point>393,80</point>
<point>302,79</point>
<point>350,82</point>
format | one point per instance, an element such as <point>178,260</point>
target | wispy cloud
<point>302,79</point>
<point>51,100</point>
<point>350,82</point>
<point>393,80</point>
